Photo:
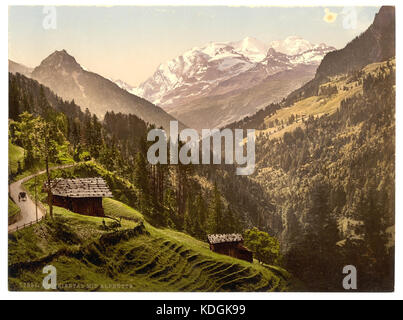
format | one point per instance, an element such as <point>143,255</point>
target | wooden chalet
<point>82,196</point>
<point>230,245</point>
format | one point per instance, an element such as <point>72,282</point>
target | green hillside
<point>237,104</point>
<point>13,211</point>
<point>92,256</point>
<point>345,87</point>
<point>15,155</point>
<point>327,163</point>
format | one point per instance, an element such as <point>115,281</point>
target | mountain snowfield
<point>200,71</point>
<point>123,85</point>
<point>194,72</point>
<point>252,48</point>
<point>292,45</point>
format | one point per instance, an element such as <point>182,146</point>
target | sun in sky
<point>329,17</point>
<point>140,38</point>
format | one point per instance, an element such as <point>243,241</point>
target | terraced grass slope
<point>92,255</point>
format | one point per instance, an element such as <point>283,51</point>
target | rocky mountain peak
<point>203,70</point>
<point>384,17</point>
<point>292,45</point>
<point>59,60</point>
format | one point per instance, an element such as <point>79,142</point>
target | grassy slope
<point>318,105</point>
<point>122,189</point>
<point>155,260</point>
<point>272,178</point>
<point>15,154</point>
<point>13,211</point>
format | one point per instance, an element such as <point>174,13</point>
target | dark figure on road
<point>23,196</point>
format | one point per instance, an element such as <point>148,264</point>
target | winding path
<point>28,212</point>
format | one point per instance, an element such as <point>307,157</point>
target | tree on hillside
<point>216,221</point>
<point>24,130</point>
<point>170,206</point>
<point>141,182</point>
<point>190,220</point>
<point>265,247</point>
<point>13,100</point>
<point>232,223</point>
<point>201,212</point>
<point>371,210</point>
<point>44,145</point>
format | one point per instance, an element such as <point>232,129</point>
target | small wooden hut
<point>82,196</point>
<point>231,245</point>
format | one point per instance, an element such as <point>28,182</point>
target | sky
<point>129,43</point>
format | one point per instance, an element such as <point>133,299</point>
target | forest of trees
<point>335,168</point>
<point>168,195</point>
<point>331,170</point>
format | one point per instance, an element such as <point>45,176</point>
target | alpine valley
<point>69,80</point>
<point>231,80</point>
<point>322,195</point>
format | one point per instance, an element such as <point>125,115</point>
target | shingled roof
<point>224,238</point>
<point>81,188</point>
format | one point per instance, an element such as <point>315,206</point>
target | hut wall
<point>86,206</point>
<point>235,250</point>
<point>60,201</point>
<point>245,254</point>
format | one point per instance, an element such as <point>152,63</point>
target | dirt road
<point>28,212</point>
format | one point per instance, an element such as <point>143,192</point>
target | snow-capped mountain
<point>194,73</point>
<point>300,50</point>
<point>207,70</point>
<point>251,48</point>
<point>123,85</point>
<point>291,45</point>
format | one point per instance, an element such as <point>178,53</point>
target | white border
<point>4,294</point>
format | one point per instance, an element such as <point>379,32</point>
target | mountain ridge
<point>15,67</point>
<point>66,77</point>
<point>188,83</point>
<point>376,44</point>
<point>234,105</point>
<point>200,71</point>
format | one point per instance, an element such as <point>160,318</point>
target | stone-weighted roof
<point>224,238</point>
<point>81,188</point>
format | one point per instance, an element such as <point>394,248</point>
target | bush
<point>85,156</point>
<point>265,247</point>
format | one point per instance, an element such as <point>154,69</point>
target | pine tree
<point>201,212</point>
<point>13,98</point>
<point>216,223</point>
<point>231,224</point>
<point>190,215</point>
<point>170,205</point>
<point>141,182</point>
<point>45,148</point>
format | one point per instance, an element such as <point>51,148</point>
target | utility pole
<point>36,201</point>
